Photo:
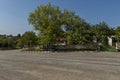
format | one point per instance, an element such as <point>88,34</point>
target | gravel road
<point>87,65</point>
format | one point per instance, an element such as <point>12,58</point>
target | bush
<point>108,48</point>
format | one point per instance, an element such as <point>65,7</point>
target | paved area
<point>16,65</point>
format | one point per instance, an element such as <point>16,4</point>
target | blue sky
<point>14,13</point>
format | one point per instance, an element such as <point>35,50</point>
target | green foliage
<point>53,23</point>
<point>104,40</point>
<point>102,31</point>
<point>117,34</point>
<point>108,48</point>
<point>46,19</point>
<point>28,39</point>
<point>8,41</point>
<point>75,28</point>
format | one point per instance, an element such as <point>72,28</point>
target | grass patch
<point>108,48</point>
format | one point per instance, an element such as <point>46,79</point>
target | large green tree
<point>53,23</point>
<point>47,20</point>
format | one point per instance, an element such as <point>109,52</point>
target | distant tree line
<point>9,41</point>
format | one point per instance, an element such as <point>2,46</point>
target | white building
<point>111,40</point>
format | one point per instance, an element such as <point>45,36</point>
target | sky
<point>14,13</point>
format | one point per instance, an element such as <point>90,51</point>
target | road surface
<point>17,65</point>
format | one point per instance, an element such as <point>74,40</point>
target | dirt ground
<point>87,65</point>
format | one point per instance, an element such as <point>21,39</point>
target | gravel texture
<point>86,65</point>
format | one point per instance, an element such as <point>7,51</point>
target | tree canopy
<point>47,20</point>
<point>28,39</point>
<point>53,23</point>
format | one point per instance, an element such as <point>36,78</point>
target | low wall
<point>64,47</point>
<point>77,47</point>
